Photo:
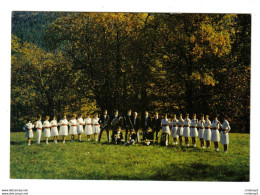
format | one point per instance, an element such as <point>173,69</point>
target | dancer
<point>54,129</point>
<point>174,132</point>
<point>88,127</point>
<point>47,129</point>
<point>63,128</point>
<point>186,130</point>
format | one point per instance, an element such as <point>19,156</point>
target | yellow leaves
<point>192,39</point>
<point>196,76</point>
<point>208,80</point>
<point>205,78</point>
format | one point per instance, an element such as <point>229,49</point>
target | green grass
<point>102,161</point>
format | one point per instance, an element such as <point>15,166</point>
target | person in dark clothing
<point>104,124</point>
<point>136,124</point>
<point>156,125</point>
<point>145,124</point>
<point>128,123</point>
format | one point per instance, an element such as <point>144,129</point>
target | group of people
<point>141,130</point>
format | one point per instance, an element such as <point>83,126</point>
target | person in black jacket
<point>116,125</point>
<point>145,124</point>
<point>104,124</point>
<point>156,125</point>
<point>136,124</point>
<point>128,123</point>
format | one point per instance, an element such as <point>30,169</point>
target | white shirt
<point>201,123</point>
<point>39,125</point>
<point>180,122</point>
<point>54,123</point>
<point>30,126</point>
<point>63,122</point>
<point>215,124</point>
<point>165,122</point>
<point>187,122</point>
<point>80,121</point>
<point>88,121</point>
<point>73,122</point>
<point>225,125</point>
<point>193,123</point>
<point>95,121</point>
<point>46,124</point>
<point>207,123</point>
<point>175,122</point>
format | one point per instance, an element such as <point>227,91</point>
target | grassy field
<point>91,160</point>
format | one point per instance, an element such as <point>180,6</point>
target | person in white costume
<point>28,127</point>
<point>47,129</point>
<point>54,129</point>
<point>165,125</point>
<point>73,127</point>
<point>215,132</point>
<point>88,127</point>
<point>207,131</point>
<point>38,125</point>
<point>174,132</point>
<point>80,124</point>
<point>193,130</point>
<point>186,130</point>
<point>96,126</point>
<point>180,128</point>
<point>201,130</point>
<point>224,134</point>
<point>63,128</point>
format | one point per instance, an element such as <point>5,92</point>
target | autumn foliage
<point>171,63</point>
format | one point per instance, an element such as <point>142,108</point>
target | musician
<point>145,124</point>
<point>128,123</point>
<point>156,124</point>
<point>136,124</point>
<point>116,125</point>
<point>215,132</point>
<point>104,121</point>
<point>180,128</point>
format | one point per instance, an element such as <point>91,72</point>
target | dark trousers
<point>156,131</point>
<point>126,133</point>
<point>100,134</point>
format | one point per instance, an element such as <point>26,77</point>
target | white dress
<point>224,139</point>
<point>63,127</point>
<point>215,131</point>
<point>47,129</point>
<point>96,126</point>
<point>207,131</point>
<point>165,126</point>
<point>201,128</point>
<point>38,131</point>
<point>193,129</point>
<point>180,127</point>
<point>29,132</point>
<point>174,132</point>
<point>54,128</point>
<point>88,126</point>
<point>73,127</point>
<point>186,129</point>
<point>80,125</point>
